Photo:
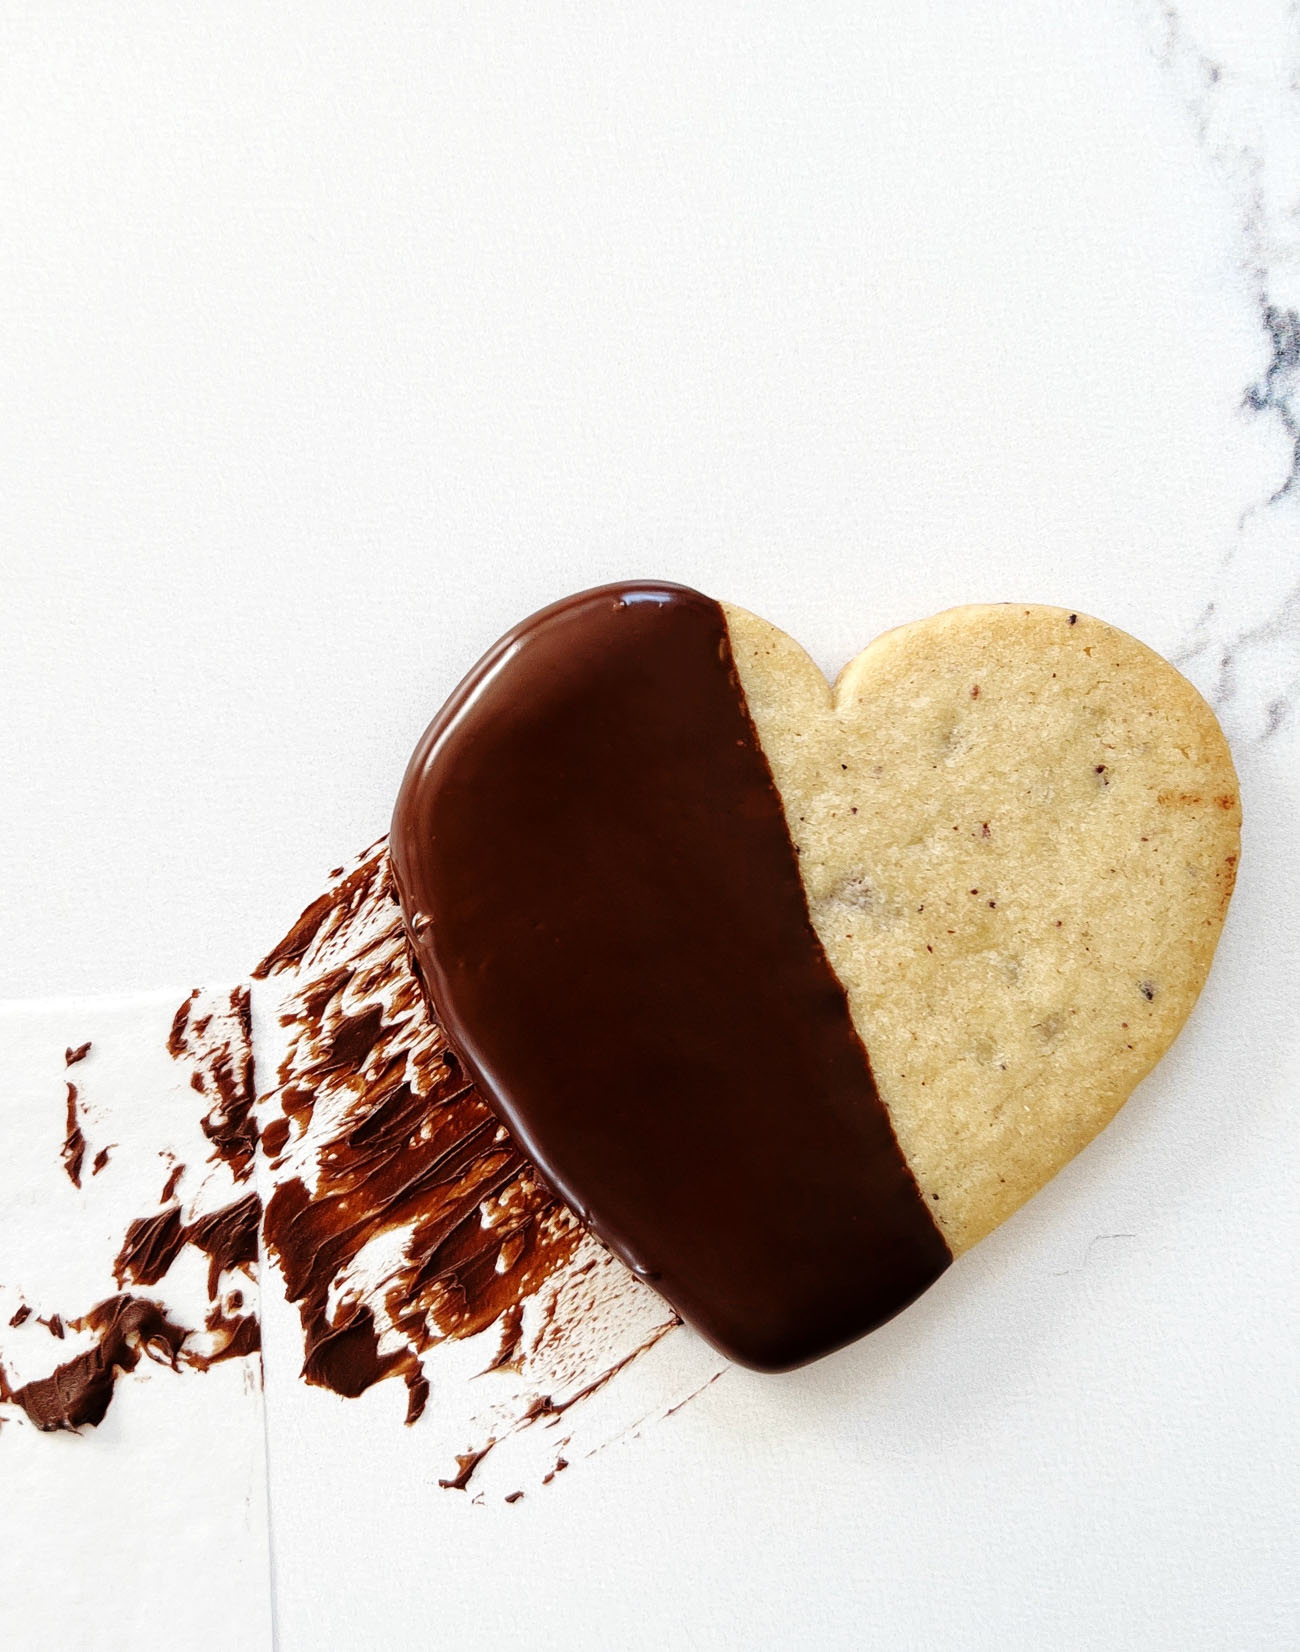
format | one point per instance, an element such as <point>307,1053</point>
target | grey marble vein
<point>1241,95</point>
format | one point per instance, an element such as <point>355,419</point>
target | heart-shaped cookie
<point>795,993</point>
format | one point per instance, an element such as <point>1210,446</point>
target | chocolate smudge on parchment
<point>414,1239</point>
<point>77,1393</point>
<point>210,1037</point>
<point>405,1221</point>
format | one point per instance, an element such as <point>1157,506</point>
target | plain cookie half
<point>1018,830</point>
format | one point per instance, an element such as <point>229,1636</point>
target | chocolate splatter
<point>73,1150</point>
<point>72,1056</point>
<point>23,1314</point>
<point>169,1186</point>
<point>78,1392</point>
<point>101,1159</point>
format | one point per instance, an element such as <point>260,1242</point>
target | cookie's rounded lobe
<point>605,903</point>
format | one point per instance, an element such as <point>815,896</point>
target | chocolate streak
<point>222,1058</point>
<point>73,1151</point>
<point>605,903</point>
<point>416,1153</point>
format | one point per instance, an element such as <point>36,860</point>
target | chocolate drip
<point>605,904</point>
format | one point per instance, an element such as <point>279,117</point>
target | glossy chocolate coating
<point>606,910</point>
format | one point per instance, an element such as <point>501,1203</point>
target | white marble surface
<point>337,338</point>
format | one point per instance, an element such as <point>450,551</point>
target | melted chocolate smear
<point>73,1150</point>
<point>72,1056</point>
<point>421,1152</point>
<point>78,1392</point>
<point>151,1245</point>
<point>386,1140</point>
<point>228,1237</point>
<point>606,907</point>
<point>326,916</point>
<point>345,1356</point>
<point>219,1046</point>
<point>235,1336</point>
<point>511,1333</point>
<point>275,1138</point>
<point>101,1159</point>
<point>469,1461</point>
<point>169,1186</point>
